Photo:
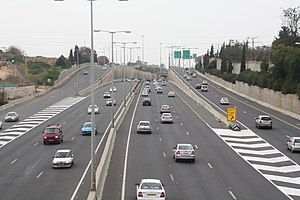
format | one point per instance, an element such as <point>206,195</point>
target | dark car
<point>53,134</point>
<point>146,102</point>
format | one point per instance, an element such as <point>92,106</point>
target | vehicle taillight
<point>140,194</point>
<point>193,153</point>
<point>293,142</point>
<point>177,152</point>
<point>162,194</point>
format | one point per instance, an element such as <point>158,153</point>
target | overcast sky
<point>49,28</point>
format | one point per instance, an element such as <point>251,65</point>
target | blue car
<point>86,128</point>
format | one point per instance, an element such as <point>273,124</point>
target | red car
<point>53,134</point>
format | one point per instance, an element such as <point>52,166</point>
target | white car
<point>144,127</point>
<point>204,88</point>
<point>293,143</point>
<point>113,89</point>
<point>145,92</point>
<point>110,102</point>
<point>150,189</point>
<point>96,109</point>
<point>171,94</point>
<point>11,117</point>
<point>63,158</point>
<point>224,101</point>
<point>263,121</point>
<point>184,152</point>
<point>166,118</point>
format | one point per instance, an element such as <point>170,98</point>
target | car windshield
<point>62,154</point>
<point>11,114</point>
<point>51,130</point>
<point>185,147</point>
<point>151,186</point>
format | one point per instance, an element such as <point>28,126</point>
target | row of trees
<point>280,66</point>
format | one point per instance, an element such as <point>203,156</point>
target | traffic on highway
<point>168,146</point>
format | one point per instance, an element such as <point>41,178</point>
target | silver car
<point>166,118</point>
<point>144,127</point>
<point>165,109</point>
<point>293,144</point>
<point>11,117</point>
<point>184,152</point>
<point>263,121</point>
<point>63,158</point>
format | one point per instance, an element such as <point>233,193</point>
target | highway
<point>26,163</point>
<point>250,164</point>
<point>218,173</point>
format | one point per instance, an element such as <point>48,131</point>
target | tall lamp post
<point>124,76</point>
<point>92,67</point>
<point>112,69</point>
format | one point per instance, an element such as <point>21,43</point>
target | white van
<point>204,88</point>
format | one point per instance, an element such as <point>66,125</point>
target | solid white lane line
<point>210,165</point>
<point>172,178</point>
<point>231,193</point>
<point>40,174</point>
<point>12,162</point>
<point>36,144</point>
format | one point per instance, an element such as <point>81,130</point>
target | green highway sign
<point>177,54</point>
<point>186,54</point>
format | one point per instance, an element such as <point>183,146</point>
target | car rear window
<point>266,118</point>
<point>151,186</point>
<point>185,148</point>
<point>144,124</point>
<point>51,130</point>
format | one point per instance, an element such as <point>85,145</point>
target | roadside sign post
<point>231,114</point>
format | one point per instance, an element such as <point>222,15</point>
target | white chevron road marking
<point>267,160</point>
<point>256,139</point>
<point>284,179</point>
<point>259,145</point>
<point>282,169</point>
<point>289,190</point>
<point>256,152</point>
<point>33,121</point>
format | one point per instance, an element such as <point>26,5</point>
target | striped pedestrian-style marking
<point>33,121</point>
<point>280,170</point>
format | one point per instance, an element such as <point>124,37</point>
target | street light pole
<point>112,70</point>
<point>124,76</point>
<point>93,174</point>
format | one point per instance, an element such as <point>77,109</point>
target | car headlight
<point>56,136</point>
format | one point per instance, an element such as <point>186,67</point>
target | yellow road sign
<point>231,114</point>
